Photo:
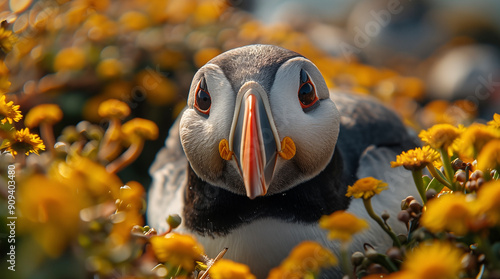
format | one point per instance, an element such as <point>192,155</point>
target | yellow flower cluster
<point>447,213</point>
<point>461,214</point>
<point>441,136</point>
<point>55,204</point>
<point>467,142</point>
<point>417,158</point>
<point>474,138</point>
<point>342,225</point>
<point>227,269</point>
<point>50,208</point>
<point>489,157</point>
<point>432,260</point>
<point>177,249</point>
<point>305,261</point>
<point>70,198</point>
<point>495,123</point>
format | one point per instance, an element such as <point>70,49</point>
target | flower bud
<point>385,215</point>
<point>406,202</point>
<point>174,221</point>
<point>394,253</point>
<point>460,176</point>
<point>430,194</point>
<point>357,258</point>
<point>404,216</point>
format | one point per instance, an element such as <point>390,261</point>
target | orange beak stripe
<point>252,159</point>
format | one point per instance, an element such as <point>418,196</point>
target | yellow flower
<point>208,12</point>
<point>135,132</point>
<point>204,55</point>
<point>489,157</point>
<point>434,260</point>
<point>440,136</point>
<point>416,159</point>
<point>88,177</point>
<point>98,5</point>
<point>9,112</point>
<point>226,269</point>
<point>4,84</point>
<point>180,11</point>
<point>24,142</point>
<point>177,250</point>
<point>366,188</point>
<point>474,138</point>
<point>134,21</point>
<point>307,258</point>
<point>488,200</point>
<point>110,68</point>
<point>7,40</point>
<point>142,128</point>
<point>281,273</point>
<point>69,59</point>
<point>100,27</point>
<point>113,108</point>
<point>342,225</point>
<point>49,113</point>
<point>4,78</point>
<point>50,211</point>
<point>131,196</point>
<point>123,222</point>
<point>450,212</point>
<point>495,123</point>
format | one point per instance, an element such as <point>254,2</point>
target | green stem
<point>345,264</point>
<point>438,177</point>
<point>368,206</point>
<point>390,265</point>
<point>448,170</point>
<point>417,178</point>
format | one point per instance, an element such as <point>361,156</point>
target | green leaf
<point>426,179</point>
<point>441,174</point>
<point>435,184</point>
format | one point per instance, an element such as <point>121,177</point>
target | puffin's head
<point>259,121</point>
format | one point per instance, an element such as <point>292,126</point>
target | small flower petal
<point>366,188</point>
<point>342,225</point>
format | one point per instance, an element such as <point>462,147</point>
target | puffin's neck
<point>211,210</point>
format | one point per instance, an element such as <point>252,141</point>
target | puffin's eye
<point>203,101</point>
<point>307,92</point>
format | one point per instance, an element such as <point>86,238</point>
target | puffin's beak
<point>254,141</point>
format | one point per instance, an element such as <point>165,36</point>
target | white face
<point>311,121</point>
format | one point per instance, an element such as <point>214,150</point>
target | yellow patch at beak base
<point>287,148</point>
<point>224,151</point>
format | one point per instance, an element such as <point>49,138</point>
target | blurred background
<point>432,61</point>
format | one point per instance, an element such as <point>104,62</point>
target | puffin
<point>263,149</point>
